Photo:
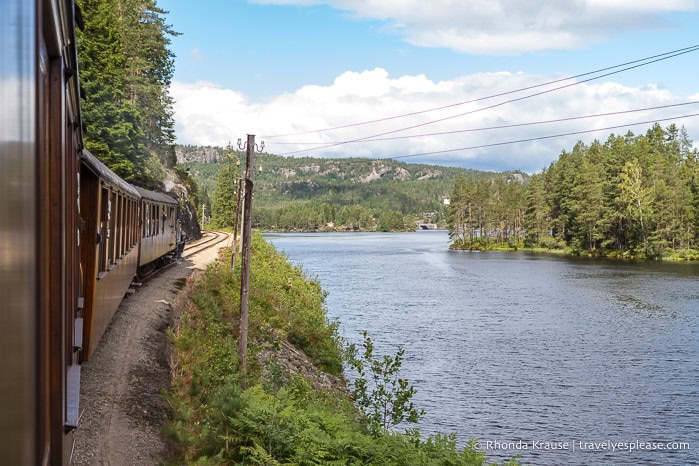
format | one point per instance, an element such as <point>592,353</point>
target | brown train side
<point>159,215</point>
<point>110,211</point>
<point>40,143</point>
<point>125,228</point>
<point>70,232</point>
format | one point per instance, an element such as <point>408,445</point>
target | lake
<point>563,360</point>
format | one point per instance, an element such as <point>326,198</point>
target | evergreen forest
<point>634,196</point>
<point>125,71</point>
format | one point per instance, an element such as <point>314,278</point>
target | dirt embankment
<point>120,395</point>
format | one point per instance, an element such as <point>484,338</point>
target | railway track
<point>210,240</point>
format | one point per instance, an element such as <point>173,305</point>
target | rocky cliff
<point>201,154</point>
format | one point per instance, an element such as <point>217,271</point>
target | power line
<point>503,143</point>
<point>528,96</point>
<point>513,125</point>
<point>676,52</point>
<point>539,138</point>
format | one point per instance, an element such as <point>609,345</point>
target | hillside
<point>309,193</point>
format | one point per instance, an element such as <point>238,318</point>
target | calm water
<point>516,348</point>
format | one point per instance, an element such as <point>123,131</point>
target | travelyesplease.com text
<point>582,445</point>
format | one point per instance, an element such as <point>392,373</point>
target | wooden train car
<point>159,227</point>
<point>40,144</point>
<point>70,234</point>
<point>110,209</point>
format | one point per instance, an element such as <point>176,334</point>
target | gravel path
<point>122,409</point>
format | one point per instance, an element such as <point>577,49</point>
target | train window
<point>154,217</point>
<point>103,229</point>
<point>136,221</point>
<point>132,223</point>
<point>124,224</point>
<point>112,227</point>
<point>138,225</point>
<point>146,216</point>
<point>117,226</point>
<point>123,217</point>
<point>135,230</point>
<point>127,224</point>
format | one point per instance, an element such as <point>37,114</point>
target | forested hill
<point>632,196</point>
<point>310,193</point>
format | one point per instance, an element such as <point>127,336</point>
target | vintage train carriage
<point>109,249</point>
<point>158,227</point>
<point>40,143</point>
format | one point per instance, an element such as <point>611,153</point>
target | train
<point>73,235</point>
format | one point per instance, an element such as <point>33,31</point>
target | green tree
<point>112,131</point>
<point>587,199</point>
<point>537,216</point>
<point>384,397</point>
<point>145,39</point>
<point>226,194</point>
<point>636,197</point>
<point>461,219</point>
<point>125,70</point>
<point>391,220</point>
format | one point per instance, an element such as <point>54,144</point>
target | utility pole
<point>245,267</point>
<point>234,249</point>
<point>203,215</point>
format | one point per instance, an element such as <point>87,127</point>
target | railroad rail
<point>210,240</point>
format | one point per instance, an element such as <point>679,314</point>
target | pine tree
<point>125,70</point>
<point>145,40</point>
<point>112,133</point>
<point>225,197</point>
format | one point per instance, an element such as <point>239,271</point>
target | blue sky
<point>289,66</point>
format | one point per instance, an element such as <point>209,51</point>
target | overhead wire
<point>364,160</point>
<point>528,96</point>
<point>512,125</point>
<point>671,54</point>
<point>539,138</point>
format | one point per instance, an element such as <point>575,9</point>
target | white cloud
<point>207,114</point>
<point>509,26</point>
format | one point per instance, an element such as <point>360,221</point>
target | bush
<point>379,392</point>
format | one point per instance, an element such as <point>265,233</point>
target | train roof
<point>156,196</point>
<point>102,171</point>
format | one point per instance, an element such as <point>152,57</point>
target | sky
<point>322,78</point>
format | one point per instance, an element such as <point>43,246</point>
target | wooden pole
<point>245,268</point>
<point>234,249</point>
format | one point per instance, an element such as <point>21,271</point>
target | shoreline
<point>613,256</point>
